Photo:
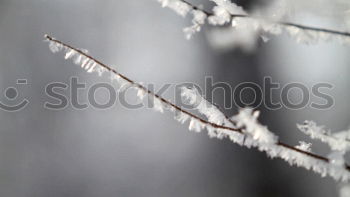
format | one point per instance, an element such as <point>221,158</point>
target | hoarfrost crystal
<point>158,105</point>
<point>178,6</point>
<point>304,146</point>
<point>243,129</point>
<point>195,125</point>
<point>181,117</point>
<point>337,141</point>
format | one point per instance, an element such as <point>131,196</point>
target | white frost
<point>247,131</point>
<point>178,6</point>
<point>337,141</point>
<point>304,146</point>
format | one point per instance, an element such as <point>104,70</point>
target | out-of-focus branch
<point>304,27</point>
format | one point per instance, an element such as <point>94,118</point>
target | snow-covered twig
<point>243,129</point>
<point>226,12</point>
<point>336,141</point>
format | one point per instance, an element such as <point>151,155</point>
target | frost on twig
<point>304,146</point>
<point>243,129</point>
<point>180,7</point>
<point>212,113</point>
<point>256,24</point>
<point>183,8</point>
<point>248,119</point>
<point>198,20</point>
<point>337,141</point>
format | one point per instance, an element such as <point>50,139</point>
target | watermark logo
<point>269,94</point>
<point>13,103</point>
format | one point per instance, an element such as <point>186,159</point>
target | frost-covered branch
<point>226,12</point>
<point>336,141</point>
<point>243,129</point>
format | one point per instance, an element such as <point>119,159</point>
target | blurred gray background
<point>120,152</point>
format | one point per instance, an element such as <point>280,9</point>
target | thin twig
<point>304,27</point>
<point>238,130</point>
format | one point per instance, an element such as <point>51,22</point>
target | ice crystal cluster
<point>183,8</point>
<point>243,128</point>
<point>338,142</point>
<point>304,146</point>
<point>79,58</point>
<point>247,27</point>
